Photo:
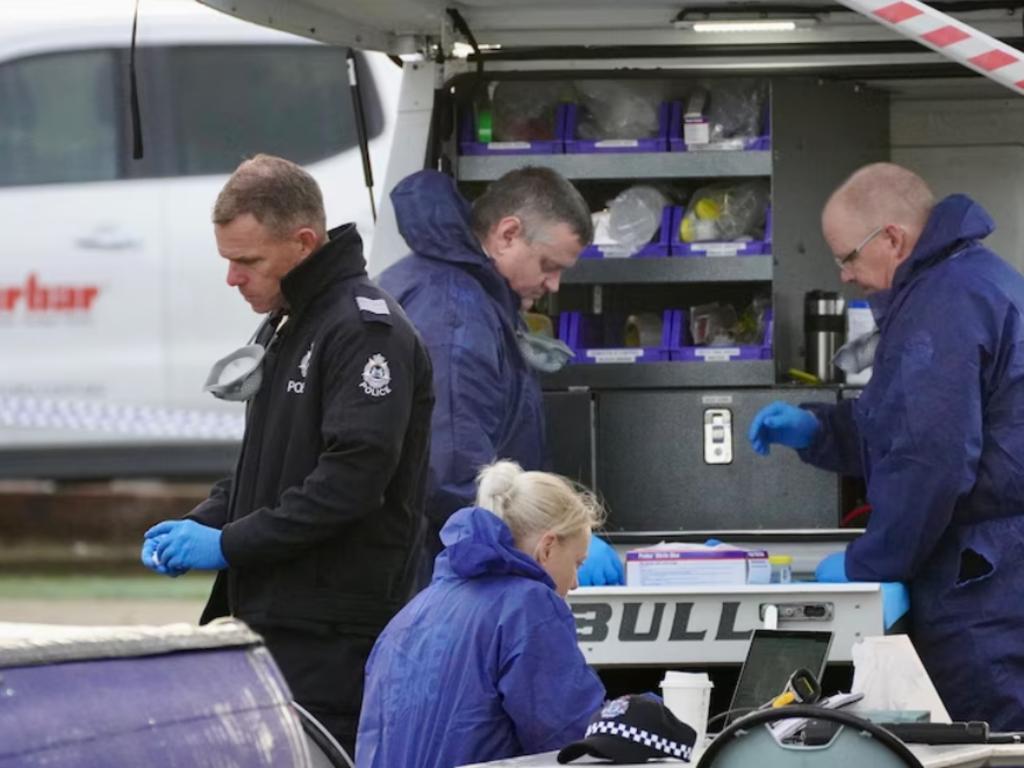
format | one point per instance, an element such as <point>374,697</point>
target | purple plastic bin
<point>688,353</point>
<point>676,143</point>
<point>657,248</point>
<point>468,145</point>
<point>657,143</point>
<point>712,248</point>
<point>584,334</point>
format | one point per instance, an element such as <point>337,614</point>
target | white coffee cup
<point>688,696</point>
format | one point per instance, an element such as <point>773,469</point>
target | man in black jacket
<point>314,533</point>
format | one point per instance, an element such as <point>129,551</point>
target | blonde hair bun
<point>535,502</point>
<point>495,484</point>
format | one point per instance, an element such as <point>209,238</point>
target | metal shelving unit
<point>711,269</point>
<point>710,164</point>
<point>649,165</point>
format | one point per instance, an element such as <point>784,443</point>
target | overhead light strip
<point>780,25</point>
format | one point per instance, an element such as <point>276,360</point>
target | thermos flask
<point>823,333</point>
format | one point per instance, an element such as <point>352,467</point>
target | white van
<point>146,320</point>
<point>113,301</point>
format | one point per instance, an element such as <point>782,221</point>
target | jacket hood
<point>955,222</point>
<point>478,543</point>
<point>434,218</point>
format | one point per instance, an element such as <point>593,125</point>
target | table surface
<point>953,756</point>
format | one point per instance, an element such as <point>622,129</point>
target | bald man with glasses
<point>937,434</point>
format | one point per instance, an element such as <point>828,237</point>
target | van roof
<point>400,26</point>
<point>43,25</point>
<point>37,11</point>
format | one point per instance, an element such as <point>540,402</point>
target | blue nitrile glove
<point>149,548</point>
<point>185,544</point>
<point>782,423</point>
<point>832,568</point>
<point>895,602</point>
<point>602,566</point>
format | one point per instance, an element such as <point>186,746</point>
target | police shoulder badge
<point>376,377</point>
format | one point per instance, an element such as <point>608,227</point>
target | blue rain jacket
<point>481,665</point>
<point>489,401</point>
<point>938,434</point>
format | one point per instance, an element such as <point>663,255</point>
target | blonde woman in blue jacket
<point>483,664</point>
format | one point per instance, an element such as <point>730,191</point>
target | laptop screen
<point>773,656</point>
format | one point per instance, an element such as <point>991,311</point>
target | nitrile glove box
<point>668,566</point>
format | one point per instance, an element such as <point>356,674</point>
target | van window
<point>59,119</point>
<point>230,102</point>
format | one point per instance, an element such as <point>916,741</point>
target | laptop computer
<point>772,657</point>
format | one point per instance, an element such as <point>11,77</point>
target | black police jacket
<point>323,515</point>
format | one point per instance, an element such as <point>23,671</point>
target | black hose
<point>133,93</point>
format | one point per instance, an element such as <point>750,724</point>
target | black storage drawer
<point>651,468</point>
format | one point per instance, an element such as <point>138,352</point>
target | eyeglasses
<point>843,261</point>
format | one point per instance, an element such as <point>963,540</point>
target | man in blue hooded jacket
<point>471,272</point>
<point>938,433</point>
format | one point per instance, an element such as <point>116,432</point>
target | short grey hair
<point>885,192</point>
<point>539,197</point>
<point>279,194</point>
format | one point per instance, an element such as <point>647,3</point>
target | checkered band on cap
<point>640,736</point>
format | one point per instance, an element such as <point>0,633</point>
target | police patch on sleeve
<point>376,377</point>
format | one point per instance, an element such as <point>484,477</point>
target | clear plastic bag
<point>525,111</point>
<point>726,211</point>
<point>733,109</point>
<point>618,109</point>
<point>736,112</point>
<point>750,328</point>
<point>712,324</point>
<point>717,325</point>
<point>631,221</point>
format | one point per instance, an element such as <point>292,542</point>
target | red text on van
<point>39,297</point>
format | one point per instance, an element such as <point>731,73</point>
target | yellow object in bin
<point>707,209</point>
<point>686,230</point>
<point>538,323</point>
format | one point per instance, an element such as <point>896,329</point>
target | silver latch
<point>718,436</point>
<point>798,611</point>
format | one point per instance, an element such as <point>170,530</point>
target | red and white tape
<point>948,36</point>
